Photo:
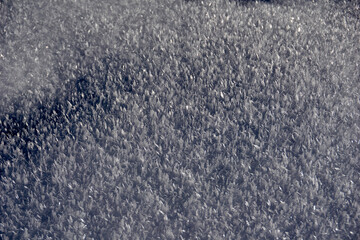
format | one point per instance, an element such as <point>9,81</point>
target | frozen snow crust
<point>179,120</point>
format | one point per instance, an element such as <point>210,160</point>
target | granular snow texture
<point>169,119</point>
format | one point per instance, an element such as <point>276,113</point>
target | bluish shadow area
<point>79,100</point>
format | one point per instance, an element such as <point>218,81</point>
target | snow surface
<point>179,120</point>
